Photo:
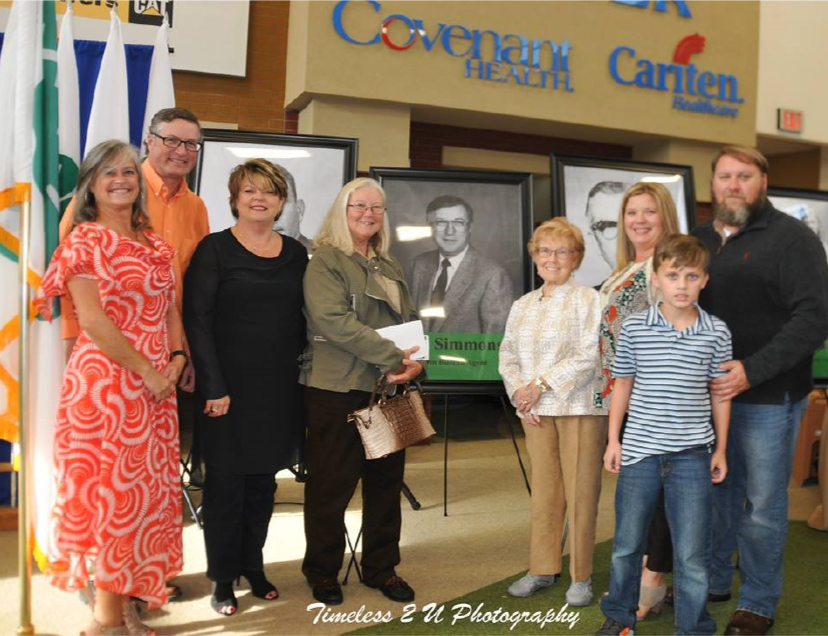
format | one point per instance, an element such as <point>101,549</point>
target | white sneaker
<point>531,583</point>
<point>579,593</point>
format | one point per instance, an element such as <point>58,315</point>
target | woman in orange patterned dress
<point>116,440</point>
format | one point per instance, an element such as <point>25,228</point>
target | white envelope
<point>407,335</point>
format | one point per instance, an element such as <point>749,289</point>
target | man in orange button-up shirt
<point>176,213</point>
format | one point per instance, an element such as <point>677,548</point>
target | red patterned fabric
<point>116,447</point>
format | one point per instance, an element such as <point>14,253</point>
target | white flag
<point>29,172</point>
<point>109,118</point>
<point>160,93</point>
<point>68,109</point>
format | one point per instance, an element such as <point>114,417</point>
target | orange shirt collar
<point>156,184</point>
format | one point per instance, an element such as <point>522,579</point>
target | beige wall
<point>321,63</point>
<point>382,129</point>
<point>792,72</point>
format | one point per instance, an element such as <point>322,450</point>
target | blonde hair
<point>559,228</point>
<point>625,251</point>
<point>334,230</point>
<point>97,159</point>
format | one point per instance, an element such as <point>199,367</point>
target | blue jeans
<point>750,509</point>
<point>685,477</point>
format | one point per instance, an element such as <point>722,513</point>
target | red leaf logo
<point>688,46</point>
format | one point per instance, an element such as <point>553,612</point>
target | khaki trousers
<point>567,457</point>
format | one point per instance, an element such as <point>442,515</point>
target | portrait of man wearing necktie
<point>455,288</point>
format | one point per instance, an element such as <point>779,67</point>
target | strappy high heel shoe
<point>650,599</point>
<point>223,600</point>
<point>96,629</point>
<point>133,622</point>
<point>260,586</point>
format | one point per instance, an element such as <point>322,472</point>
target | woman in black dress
<point>243,317</point>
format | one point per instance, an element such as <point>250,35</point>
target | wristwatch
<point>543,386</point>
<point>179,352</point>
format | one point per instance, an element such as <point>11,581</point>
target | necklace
<point>270,245</point>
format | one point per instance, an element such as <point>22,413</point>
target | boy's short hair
<point>684,250</point>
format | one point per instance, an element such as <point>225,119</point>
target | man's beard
<point>741,215</point>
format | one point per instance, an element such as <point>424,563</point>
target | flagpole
<point>24,562</point>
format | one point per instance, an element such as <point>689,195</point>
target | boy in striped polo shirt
<point>665,359</point>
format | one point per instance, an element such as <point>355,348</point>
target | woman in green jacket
<point>352,288</point>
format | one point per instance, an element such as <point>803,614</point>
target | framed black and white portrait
<point>810,207</point>
<point>461,238</point>
<point>588,192</point>
<point>316,168</point>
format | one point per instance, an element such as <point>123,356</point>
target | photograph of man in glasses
<point>455,288</point>
<point>603,203</point>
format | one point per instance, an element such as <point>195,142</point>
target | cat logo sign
<point>149,12</point>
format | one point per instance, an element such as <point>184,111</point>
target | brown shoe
<point>395,589</point>
<point>747,623</point>
<point>327,591</point>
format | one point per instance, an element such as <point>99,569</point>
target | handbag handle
<point>381,387</point>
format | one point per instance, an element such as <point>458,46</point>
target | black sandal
<point>223,599</point>
<point>260,586</point>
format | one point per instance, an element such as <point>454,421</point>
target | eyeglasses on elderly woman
<point>562,253</point>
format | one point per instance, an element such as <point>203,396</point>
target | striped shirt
<point>669,408</point>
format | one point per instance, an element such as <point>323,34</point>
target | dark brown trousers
<point>335,462</point>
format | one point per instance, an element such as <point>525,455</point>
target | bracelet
<point>542,385</point>
<point>179,352</point>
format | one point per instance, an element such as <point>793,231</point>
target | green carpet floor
<point>803,609</point>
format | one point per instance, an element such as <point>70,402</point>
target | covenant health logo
<point>706,92</point>
<point>505,58</point>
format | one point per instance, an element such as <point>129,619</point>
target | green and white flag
<point>29,172</point>
<point>69,109</point>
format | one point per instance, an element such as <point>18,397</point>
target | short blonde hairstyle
<point>334,230</point>
<point>559,228</point>
<point>256,171</point>
<point>97,159</point>
<point>625,251</point>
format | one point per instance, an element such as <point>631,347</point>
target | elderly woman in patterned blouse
<point>548,361</point>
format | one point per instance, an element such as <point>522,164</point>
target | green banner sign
<point>463,356</point>
<point>820,368</point>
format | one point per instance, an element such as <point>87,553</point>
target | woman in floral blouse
<point>548,361</point>
<point>647,214</point>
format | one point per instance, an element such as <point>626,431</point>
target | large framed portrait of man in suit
<point>588,191</point>
<point>461,238</point>
<point>315,168</point>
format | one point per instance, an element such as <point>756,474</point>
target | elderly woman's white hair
<point>335,231</point>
